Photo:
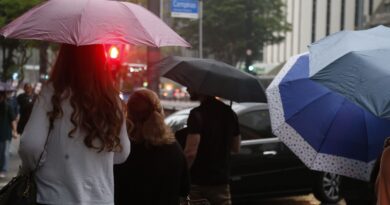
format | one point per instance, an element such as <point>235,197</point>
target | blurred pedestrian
<point>213,133</point>
<point>7,131</point>
<point>25,102</point>
<point>382,186</point>
<point>156,171</point>
<point>11,98</point>
<point>81,110</point>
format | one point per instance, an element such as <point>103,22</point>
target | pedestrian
<point>213,133</point>
<point>382,185</point>
<point>156,172</point>
<point>81,110</point>
<point>11,98</point>
<point>7,131</point>
<point>25,101</point>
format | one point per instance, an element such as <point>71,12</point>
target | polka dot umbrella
<point>324,129</point>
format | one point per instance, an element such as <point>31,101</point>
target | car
<point>265,167</point>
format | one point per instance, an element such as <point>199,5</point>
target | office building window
<point>357,13</point>
<point>370,7</point>
<point>313,21</point>
<point>342,17</point>
<point>328,13</point>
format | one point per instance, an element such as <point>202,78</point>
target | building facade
<point>312,20</point>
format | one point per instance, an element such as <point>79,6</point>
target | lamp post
<point>248,24</point>
<point>153,54</point>
<point>200,29</point>
<point>162,9</point>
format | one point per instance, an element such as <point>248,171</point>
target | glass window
<point>176,122</point>
<point>255,125</point>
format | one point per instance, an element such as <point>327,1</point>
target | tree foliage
<point>15,52</point>
<point>231,27</point>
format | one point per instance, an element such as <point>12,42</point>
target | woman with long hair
<point>81,110</point>
<point>156,172</point>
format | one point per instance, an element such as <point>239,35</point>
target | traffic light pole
<point>200,29</point>
<point>153,54</point>
<point>248,22</point>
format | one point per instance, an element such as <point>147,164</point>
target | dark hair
<point>80,74</point>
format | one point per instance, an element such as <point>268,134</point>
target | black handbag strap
<point>44,147</point>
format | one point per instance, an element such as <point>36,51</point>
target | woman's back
<point>86,138</point>
<point>152,175</point>
<point>156,172</point>
<point>71,173</point>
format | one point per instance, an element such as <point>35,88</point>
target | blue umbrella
<point>323,128</point>
<point>356,64</point>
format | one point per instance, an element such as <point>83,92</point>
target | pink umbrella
<point>84,22</point>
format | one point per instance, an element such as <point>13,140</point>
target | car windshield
<point>253,119</point>
<point>176,121</point>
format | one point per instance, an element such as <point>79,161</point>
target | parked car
<point>265,167</point>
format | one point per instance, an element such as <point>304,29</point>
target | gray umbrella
<point>211,77</point>
<point>356,65</point>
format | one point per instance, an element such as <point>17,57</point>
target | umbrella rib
<point>204,79</point>
<point>310,102</point>
<point>333,121</point>
<point>367,134</point>
<point>135,16</point>
<point>301,110</point>
<point>304,107</point>
<point>79,22</point>
<point>38,7</point>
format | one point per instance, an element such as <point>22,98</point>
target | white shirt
<point>72,173</point>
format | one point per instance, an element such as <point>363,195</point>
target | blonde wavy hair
<point>146,119</point>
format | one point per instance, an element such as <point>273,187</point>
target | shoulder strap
<point>45,146</point>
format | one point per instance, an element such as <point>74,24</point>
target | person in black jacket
<point>213,134</point>
<point>25,102</point>
<point>156,171</point>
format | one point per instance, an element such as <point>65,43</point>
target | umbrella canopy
<point>7,87</point>
<point>324,129</point>
<point>355,64</point>
<point>211,77</point>
<point>85,22</point>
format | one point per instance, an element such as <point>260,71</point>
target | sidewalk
<point>13,163</point>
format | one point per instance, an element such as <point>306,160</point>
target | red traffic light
<point>113,52</point>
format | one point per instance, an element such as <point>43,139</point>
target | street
<point>13,163</point>
<point>295,200</point>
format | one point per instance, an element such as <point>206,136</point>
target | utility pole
<point>162,9</point>
<point>248,22</point>
<point>153,54</point>
<point>200,29</point>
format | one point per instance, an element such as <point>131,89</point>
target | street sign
<point>185,9</point>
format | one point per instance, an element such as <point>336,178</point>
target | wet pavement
<point>295,200</point>
<point>13,164</point>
